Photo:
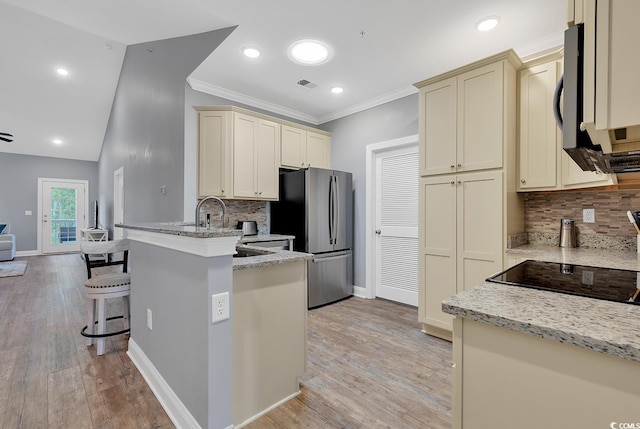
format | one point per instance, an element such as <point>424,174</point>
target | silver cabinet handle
<point>378,232</point>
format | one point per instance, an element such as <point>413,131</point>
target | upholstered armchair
<point>7,243</point>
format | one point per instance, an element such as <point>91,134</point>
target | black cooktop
<point>593,282</point>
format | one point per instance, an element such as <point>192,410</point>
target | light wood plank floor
<point>369,365</point>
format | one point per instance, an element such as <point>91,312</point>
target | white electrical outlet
<point>588,215</point>
<point>219,307</point>
<point>149,319</point>
<point>587,278</point>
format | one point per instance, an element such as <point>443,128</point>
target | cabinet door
<point>214,154</point>
<point>437,268</point>
<point>574,177</point>
<point>538,130</point>
<point>480,118</point>
<point>438,128</point>
<point>318,150</point>
<point>292,147</point>
<point>244,161</point>
<point>480,227</point>
<point>267,150</point>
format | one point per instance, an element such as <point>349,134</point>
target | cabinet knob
<point>459,165</point>
<point>222,191</point>
<point>459,182</point>
<point>523,181</point>
<point>260,193</point>
<point>309,165</point>
<point>453,182</point>
<point>453,166</point>
<point>302,164</point>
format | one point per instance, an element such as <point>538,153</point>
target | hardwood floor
<point>369,366</point>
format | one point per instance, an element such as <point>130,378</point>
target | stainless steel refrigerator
<point>316,206</point>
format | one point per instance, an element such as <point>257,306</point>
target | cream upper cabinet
<point>468,199</point>
<point>539,134</point>
<point>461,242</point>
<point>238,155</point>
<point>302,148</point>
<point>256,154</point>
<point>543,164</point>
<point>461,122</point>
<point>215,154</point>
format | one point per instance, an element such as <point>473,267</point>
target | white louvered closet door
<point>396,223</point>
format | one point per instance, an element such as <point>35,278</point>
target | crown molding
<point>208,88</point>
<point>198,85</point>
<point>368,104</point>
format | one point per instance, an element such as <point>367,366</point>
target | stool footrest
<point>111,334</point>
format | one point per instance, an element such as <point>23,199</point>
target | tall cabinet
<point>468,199</point>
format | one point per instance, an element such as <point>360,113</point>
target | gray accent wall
<point>350,137</point>
<point>19,190</point>
<point>145,134</point>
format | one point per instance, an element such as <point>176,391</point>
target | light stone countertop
<point>603,326</point>
<point>266,257</point>
<point>184,229</point>
<point>265,237</point>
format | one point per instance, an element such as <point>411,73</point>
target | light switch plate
<point>588,215</point>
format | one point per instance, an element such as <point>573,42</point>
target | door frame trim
<point>39,213</point>
<point>372,151</point>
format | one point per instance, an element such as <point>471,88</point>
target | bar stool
<point>100,288</point>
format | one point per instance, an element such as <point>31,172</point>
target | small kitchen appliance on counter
<point>609,284</point>
<point>248,227</point>
<point>568,236</point>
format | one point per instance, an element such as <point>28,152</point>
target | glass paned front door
<point>63,214</point>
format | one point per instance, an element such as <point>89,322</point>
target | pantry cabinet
<point>238,154</point>
<point>468,199</point>
<point>461,128</point>
<point>302,148</point>
<point>543,164</point>
<point>460,240</point>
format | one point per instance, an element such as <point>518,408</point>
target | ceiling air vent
<point>307,84</point>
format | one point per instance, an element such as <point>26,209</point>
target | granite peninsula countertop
<point>593,324</point>
<point>184,229</point>
<point>265,237</point>
<point>266,257</point>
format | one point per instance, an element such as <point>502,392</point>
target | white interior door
<point>118,201</point>
<point>396,223</point>
<point>62,214</point>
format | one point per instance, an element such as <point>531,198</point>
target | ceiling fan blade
<point>6,139</point>
<point>6,134</point>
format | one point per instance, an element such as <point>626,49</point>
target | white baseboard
<point>21,253</point>
<point>175,409</point>
<point>360,292</point>
<point>265,411</point>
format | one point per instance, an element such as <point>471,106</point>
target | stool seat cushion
<point>106,281</point>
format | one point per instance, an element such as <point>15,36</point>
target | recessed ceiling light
<point>251,52</point>
<point>57,141</point>
<point>62,72</point>
<point>488,23</point>
<point>337,90</point>
<point>309,52</point>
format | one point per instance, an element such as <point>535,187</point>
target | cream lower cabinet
<point>238,155</point>
<point>461,242</point>
<point>543,164</point>
<point>302,148</point>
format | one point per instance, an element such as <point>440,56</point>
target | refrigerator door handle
<point>336,208</point>
<point>331,197</point>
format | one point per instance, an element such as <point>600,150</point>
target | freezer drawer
<point>330,277</point>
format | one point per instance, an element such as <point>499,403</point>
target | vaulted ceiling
<point>379,48</point>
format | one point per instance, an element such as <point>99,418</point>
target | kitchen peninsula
<point>531,358</point>
<point>205,374</point>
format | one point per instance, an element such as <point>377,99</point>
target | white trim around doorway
<point>371,151</point>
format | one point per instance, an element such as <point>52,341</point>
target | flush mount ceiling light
<point>337,90</point>
<point>309,52</point>
<point>251,52</point>
<point>488,23</point>
<point>62,72</point>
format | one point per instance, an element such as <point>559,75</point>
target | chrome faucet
<point>224,210</point>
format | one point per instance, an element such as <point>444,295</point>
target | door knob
<point>378,232</point>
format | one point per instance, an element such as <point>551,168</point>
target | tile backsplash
<point>611,229</point>
<point>238,210</point>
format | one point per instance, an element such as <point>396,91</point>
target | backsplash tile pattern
<point>611,230</point>
<point>238,210</point>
